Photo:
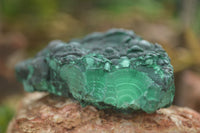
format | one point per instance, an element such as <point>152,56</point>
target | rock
<point>104,70</point>
<point>39,113</point>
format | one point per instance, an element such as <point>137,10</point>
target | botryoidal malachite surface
<point>116,69</point>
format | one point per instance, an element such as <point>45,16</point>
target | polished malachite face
<point>116,69</point>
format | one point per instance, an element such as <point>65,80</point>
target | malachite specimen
<point>116,69</point>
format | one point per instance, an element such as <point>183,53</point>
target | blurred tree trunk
<point>189,8</point>
<point>0,22</point>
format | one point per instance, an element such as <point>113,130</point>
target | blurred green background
<point>26,26</point>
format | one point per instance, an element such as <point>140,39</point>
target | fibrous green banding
<point>116,69</point>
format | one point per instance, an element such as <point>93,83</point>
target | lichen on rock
<point>116,69</point>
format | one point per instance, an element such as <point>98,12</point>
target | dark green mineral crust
<point>116,69</point>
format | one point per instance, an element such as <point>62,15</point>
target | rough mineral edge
<point>51,114</point>
<point>115,69</point>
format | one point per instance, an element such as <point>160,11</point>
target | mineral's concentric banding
<point>116,69</point>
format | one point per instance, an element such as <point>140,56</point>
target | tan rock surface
<point>42,113</point>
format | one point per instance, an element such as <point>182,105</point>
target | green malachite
<point>116,69</point>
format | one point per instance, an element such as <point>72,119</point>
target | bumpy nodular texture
<point>116,69</point>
